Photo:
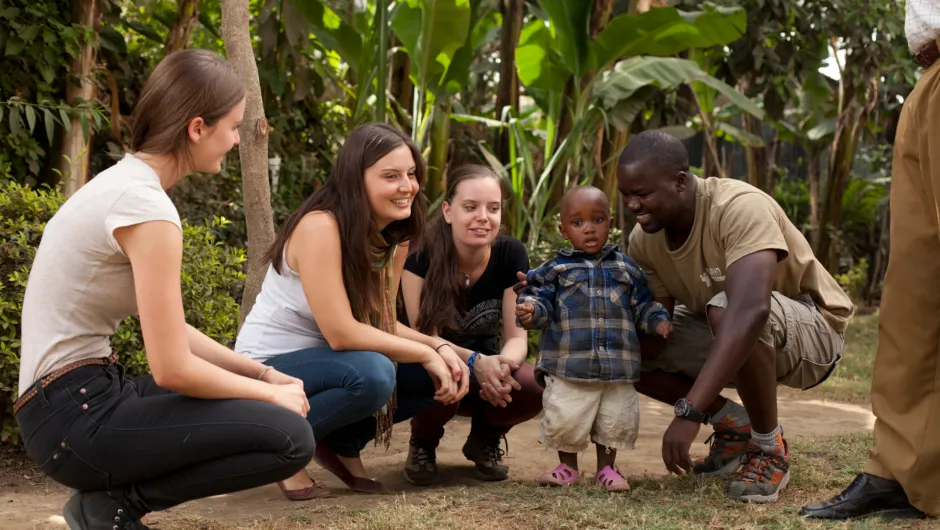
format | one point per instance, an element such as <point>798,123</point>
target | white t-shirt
<point>81,285</point>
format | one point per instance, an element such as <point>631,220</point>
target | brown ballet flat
<point>316,491</point>
<point>328,459</point>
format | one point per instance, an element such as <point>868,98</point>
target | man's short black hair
<point>664,149</point>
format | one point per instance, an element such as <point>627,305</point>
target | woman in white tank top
<point>327,314</point>
<point>208,421</point>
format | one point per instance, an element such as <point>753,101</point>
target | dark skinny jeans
<point>152,449</point>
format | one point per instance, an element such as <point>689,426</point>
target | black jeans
<point>95,429</point>
<point>414,394</point>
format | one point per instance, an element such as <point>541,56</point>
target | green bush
<point>212,280</point>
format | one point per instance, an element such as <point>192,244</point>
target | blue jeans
<point>346,389</point>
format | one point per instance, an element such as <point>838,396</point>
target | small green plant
<point>212,280</point>
<point>855,280</point>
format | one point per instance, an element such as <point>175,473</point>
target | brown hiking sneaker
<point>421,464</point>
<point>763,477</point>
<point>487,457</point>
<point>724,455</point>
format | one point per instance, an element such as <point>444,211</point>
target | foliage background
<point>545,91</point>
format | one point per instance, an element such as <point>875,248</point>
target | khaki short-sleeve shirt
<point>734,219</point>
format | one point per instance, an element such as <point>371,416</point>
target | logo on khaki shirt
<point>713,274</point>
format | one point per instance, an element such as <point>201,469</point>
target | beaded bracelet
<point>470,360</point>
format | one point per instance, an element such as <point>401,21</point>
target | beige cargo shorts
<point>807,347</point>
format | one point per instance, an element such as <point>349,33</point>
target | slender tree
<point>253,150</point>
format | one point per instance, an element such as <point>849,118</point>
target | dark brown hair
<point>444,289</point>
<point>344,195</point>
<point>187,84</point>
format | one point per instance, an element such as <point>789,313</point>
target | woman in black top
<point>458,286</point>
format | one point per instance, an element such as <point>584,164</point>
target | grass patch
<point>851,381</point>
<point>820,468</point>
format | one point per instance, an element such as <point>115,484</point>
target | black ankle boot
<point>866,496</point>
<point>97,510</point>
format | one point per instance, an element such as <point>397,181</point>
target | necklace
<point>466,277</point>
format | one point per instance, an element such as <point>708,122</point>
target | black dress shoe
<point>866,496</point>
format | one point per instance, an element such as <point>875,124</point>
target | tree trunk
<point>813,170</point>
<point>182,29</point>
<point>253,149</point>
<point>401,87</point>
<point>507,94</point>
<point>841,158</point>
<point>757,165</point>
<point>80,84</point>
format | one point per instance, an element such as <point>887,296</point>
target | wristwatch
<point>684,410</point>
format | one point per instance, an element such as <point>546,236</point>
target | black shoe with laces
<point>487,457</point>
<point>97,510</point>
<point>421,464</point>
<point>866,496</point>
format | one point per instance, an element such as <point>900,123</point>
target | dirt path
<point>30,501</point>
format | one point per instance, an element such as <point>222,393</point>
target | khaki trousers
<point>905,392</point>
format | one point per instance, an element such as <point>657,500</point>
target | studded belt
<point>47,380</point>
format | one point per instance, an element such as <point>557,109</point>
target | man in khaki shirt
<point>752,308</point>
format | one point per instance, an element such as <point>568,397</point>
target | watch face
<point>682,407</point>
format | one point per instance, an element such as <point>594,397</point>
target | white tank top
<point>280,321</point>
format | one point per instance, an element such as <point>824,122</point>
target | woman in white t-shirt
<point>208,421</point>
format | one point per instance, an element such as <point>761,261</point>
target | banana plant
<point>599,83</point>
<point>440,38</point>
<point>359,49</point>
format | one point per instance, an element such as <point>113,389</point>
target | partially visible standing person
<point>902,475</point>
<point>458,287</point>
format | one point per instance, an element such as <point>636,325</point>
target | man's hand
<point>664,329</point>
<point>676,444</point>
<point>526,313</point>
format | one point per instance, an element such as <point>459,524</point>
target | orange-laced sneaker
<point>724,455</point>
<point>763,477</point>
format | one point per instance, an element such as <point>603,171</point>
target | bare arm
<point>411,287</point>
<point>515,338</point>
<point>314,251</point>
<point>749,285</point>
<point>209,350</point>
<point>155,250</point>
<point>206,348</point>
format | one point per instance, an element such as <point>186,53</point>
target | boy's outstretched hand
<point>664,329</point>
<point>525,312</point>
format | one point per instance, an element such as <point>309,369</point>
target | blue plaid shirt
<point>589,309</point>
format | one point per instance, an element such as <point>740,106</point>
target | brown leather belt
<point>46,381</point>
<point>928,54</point>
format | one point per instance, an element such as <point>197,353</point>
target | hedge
<point>212,281</point>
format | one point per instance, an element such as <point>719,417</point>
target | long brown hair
<point>344,195</point>
<point>187,84</point>
<point>444,290</point>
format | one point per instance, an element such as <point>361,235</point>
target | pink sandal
<point>612,479</point>
<point>563,475</point>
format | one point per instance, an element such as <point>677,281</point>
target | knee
<point>302,444</point>
<point>377,381</point>
<point>715,316</point>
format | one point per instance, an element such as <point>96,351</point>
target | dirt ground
<point>30,501</point>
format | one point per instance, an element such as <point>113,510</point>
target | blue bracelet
<point>471,360</point>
